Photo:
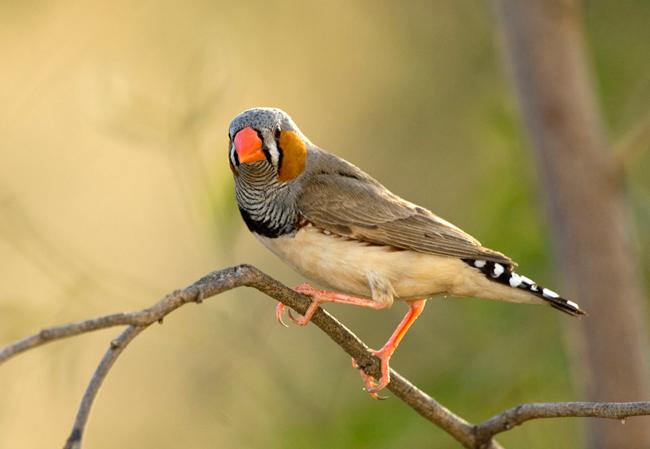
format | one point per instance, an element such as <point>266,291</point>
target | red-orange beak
<point>248,146</point>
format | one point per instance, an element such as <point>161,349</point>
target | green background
<point>115,189</point>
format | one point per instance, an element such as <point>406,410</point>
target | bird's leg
<point>322,296</point>
<point>384,354</point>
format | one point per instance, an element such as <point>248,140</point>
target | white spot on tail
<point>573,304</point>
<point>479,263</point>
<point>515,280</point>
<point>498,270</point>
<point>527,280</point>
<point>549,293</point>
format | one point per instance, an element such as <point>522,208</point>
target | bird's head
<point>263,139</point>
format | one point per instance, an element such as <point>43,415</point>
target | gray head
<point>266,138</point>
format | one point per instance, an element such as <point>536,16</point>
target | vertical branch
<point>545,47</point>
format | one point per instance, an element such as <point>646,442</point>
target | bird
<point>342,229</point>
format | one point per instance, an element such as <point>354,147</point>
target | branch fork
<point>471,436</point>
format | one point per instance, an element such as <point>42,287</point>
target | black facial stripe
<point>267,155</point>
<point>280,151</point>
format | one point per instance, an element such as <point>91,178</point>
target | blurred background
<point>115,189</point>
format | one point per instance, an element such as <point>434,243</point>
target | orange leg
<point>385,353</point>
<point>319,297</point>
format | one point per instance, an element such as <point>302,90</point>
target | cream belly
<point>349,266</point>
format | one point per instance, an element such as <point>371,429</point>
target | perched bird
<point>341,228</point>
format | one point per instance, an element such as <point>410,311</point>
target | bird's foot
<point>304,289</point>
<point>371,385</point>
<point>280,309</point>
<point>319,297</point>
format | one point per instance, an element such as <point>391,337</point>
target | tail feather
<point>505,275</point>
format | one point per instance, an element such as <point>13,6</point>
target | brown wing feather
<point>344,200</point>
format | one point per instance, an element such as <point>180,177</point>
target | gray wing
<point>340,198</point>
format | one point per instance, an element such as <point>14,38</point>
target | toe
<point>302,321</point>
<point>370,385</point>
<point>279,311</point>
<point>305,289</point>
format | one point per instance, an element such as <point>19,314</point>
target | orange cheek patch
<point>294,153</point>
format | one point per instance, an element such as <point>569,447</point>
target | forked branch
<point>469,435</point>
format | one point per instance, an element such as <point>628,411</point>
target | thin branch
<point>469,435</point>
<point>516,416</point>
<point>66,330</point>
<point>144,317</point>
<point>115,349</point>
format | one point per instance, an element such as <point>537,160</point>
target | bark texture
<point>584,200</point>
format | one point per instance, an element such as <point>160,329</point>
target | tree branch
<point>469,435</point>
<point>113,352</point>
<point>518,415</point>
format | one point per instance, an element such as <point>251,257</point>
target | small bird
<point>339,227</point>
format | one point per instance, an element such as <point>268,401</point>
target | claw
<point>279,311</point>
<point>376,396</point>
<point>293,319</point>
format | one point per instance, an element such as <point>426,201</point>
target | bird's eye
<point>277,132</point>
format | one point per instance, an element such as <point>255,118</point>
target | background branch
<point>469,435</point>
<point>113,352</point>
<point>544,43</point>
<point>518,415</point>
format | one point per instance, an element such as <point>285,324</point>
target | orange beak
<point>248,146</point>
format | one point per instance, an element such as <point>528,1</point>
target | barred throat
<point>503,274</point>
<point>263,201</point>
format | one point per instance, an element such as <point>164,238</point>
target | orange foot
<point>372,385</point>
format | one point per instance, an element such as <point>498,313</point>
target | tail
<point>503,274</point>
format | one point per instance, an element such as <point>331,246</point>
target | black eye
<point>277,132</point>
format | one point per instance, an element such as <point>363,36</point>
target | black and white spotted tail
<point>503,274</point>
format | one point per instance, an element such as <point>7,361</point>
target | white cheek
<point>275,154</point>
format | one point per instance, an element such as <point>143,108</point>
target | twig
<point>115,349</point>
<point>469,435</point>
<point>518,415</point>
